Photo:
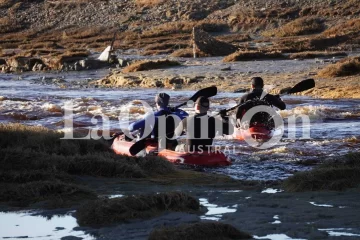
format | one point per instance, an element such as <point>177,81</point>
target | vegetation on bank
<point>316,54</point>
<point>118,210</point>
<point>300,26</point>
<point>145,65</point>
<point>37,160</point>
<point>253,55</point>
<point>335,175</point>
<point>201,230</point>
<point>345,67</point>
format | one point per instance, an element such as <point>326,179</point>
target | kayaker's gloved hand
<point>222,113</point>
<point>173,109</point>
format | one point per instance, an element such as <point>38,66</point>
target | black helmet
<point>257,82</point>
<point>162,99</point>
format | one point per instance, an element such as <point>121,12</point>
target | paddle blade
<point>302,86</point>
<point>205,92</point>
<point>137,147</point>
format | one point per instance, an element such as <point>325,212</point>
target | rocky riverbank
<point>234,77</point>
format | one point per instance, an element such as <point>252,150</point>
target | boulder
<point>123,62</point>
<point>38,67</point>
<point>169,82</point>
<point>151,83</point>
<point>20,63</point>
<point>209,45</point>
<point>121,80</point>
<point>89,64</point>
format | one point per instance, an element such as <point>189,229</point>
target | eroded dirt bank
<point>235,77</point>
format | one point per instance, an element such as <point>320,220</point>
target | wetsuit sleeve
<point>275,101</point>
<point>140,124</point>
<point>181,128</point>
<point>243,98</point>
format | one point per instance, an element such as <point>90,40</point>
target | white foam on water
<point>21,224</point>
<point>272,191</point>
<point>338,232</point>
<point>214,211</point>
<point>318,112</point>
<point>276,218</point>
<point>321,205</point>
<point>278,237</point>
<point>115,196</point>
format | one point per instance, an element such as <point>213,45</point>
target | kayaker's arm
<point>181,128</point>
<point>135,126</point>
<point>276,101</point>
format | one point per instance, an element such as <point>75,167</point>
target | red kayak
<point>209,159</point>
<point>256,132</point>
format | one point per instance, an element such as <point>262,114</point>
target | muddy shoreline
<point>234,77</point>
<point>308,215</point>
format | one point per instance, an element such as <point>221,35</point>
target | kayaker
<point>201,128</point>
<point>259,97</point>
<point>162,102</point>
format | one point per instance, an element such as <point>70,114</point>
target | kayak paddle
<point>300,87</point>
<point>205,92</point>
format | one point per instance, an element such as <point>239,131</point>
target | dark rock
<point>71,238</point>
<point>226,69</point>
<point>209,45</point>
<point>123,62</point>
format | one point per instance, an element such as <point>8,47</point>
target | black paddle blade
<point>137,147</point>
<point>205,92</point>
<point>302,86</point>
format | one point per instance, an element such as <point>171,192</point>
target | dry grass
<point>165,46</point>
<point>7,3</point>
<point>9,25</point>
<point>169,28</point>
<point>252,55</point>
<point>201,230</point>
<point>335,175</point>
<point>349,27</point>
<point>145,65</point>
<point>41,45</point>
<point>185,53</point>
<point>300,26</point>
<point>149,3</point>
<point>316,54</point>
<point>345,67</point>
<point>54,193</point>
<point>84,33</point>
<point>234,38</point>
<point>118,210</point>
<point>37,165</point>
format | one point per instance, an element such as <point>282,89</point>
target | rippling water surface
<point>35,99</point>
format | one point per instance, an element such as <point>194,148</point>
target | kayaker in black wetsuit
<point>201,129</point>
<point>258,97</point>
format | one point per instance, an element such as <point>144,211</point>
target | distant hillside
<point>163,26</point>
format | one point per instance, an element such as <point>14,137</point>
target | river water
<point>39,99</point>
